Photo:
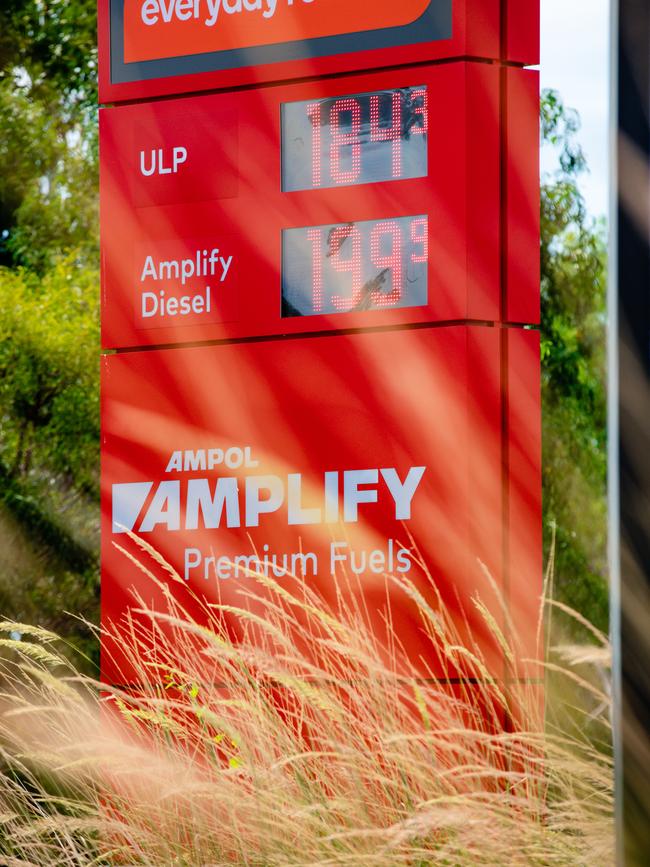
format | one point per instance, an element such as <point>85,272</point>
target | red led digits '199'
<point>355,266</point>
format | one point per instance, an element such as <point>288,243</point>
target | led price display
<point>375,264</point>
<point>361,139</point>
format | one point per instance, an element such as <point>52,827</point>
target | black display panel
<point>363,138</point>
<point>340,268</point>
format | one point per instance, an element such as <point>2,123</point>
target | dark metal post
<point>630,425</point>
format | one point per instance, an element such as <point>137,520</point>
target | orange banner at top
<point>158,29</point>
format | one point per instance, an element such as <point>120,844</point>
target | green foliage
<point>48,139</point>
<point>49,314</point>
<point>573,265</point>
<point>49,358</point>
<point>56,42</point>
<point>559,126</point>
<point>49,443</point>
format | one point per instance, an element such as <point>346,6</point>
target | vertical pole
<point>629,444</point>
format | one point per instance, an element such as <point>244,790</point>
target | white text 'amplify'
<point>231,502</point>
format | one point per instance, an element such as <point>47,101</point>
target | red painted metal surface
<point>521,31</point>
<point>523,531</point>
<point>522,197</point>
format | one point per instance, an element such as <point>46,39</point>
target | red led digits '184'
<point>345,143</point>
<point>393,132</point>
<point>347,267</point>
<point>360,139</point>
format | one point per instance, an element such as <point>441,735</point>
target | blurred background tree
<point>48,131</point>
<point>49,316</point>
<point>49,333</point>
<point>574,273</point>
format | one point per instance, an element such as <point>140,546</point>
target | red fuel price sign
<point>274,210</point>
<point>318,296</point>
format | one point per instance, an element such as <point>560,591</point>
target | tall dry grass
<point>303,744</point>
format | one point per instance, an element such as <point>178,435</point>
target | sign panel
<point>157,47</point>
<point>219,211</point>
<point>344,459</point>
<point>212,207</point>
